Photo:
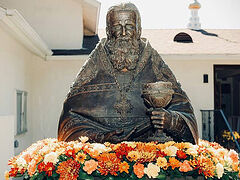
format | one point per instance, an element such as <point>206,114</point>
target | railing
<point>211,130</point>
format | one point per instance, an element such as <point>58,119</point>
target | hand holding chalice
<point>157,96</point>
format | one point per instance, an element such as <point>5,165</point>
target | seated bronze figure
<point>116,94</point>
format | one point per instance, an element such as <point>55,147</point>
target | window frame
<point>21,112</point>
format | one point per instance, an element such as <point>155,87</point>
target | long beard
<point>123,52</point>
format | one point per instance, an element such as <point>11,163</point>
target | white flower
<point>44,150</point>
<point>100,147</point>
<point>170,151</point>
<point>152,170</point>
<point>219,170</point>
<point>21,162</point>
<point>228,163</point>
<point>51,157</point>
<point>192,151</point>
<point>84,139</point>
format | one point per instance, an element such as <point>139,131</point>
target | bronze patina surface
<point>106,101</point>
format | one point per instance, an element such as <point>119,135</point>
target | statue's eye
<point>117,27</point>
<point>130,27</point>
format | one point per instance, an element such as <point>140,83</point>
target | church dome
<point>195,5</point>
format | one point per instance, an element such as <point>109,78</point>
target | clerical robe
<point>103,99</point>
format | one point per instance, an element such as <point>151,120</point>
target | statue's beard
<point>123,52</point>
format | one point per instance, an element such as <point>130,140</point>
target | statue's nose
<point>123,31</point>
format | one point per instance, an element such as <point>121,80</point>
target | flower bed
<point>50,159</point>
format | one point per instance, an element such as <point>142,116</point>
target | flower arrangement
<point>226,135</point>
<point>51,159</point>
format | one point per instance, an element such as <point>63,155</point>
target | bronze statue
<point>114,96</point>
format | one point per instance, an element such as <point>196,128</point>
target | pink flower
<point>233,155</point>
<point>90,166</point>
<point>185,166</point>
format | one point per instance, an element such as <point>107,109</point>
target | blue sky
<point>169,14</point>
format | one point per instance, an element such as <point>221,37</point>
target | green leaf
<point>161,176</point>
<point>85,176</point>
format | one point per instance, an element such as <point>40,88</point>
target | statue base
<point>160,137</point>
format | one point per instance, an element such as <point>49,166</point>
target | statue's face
<point>123,24</point>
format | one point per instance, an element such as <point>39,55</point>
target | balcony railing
<point>214,122</point>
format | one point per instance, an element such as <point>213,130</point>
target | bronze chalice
<point>158,95</point>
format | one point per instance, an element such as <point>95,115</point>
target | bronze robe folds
<point>103,99</point>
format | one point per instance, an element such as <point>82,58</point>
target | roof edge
<point>201,56</point>
<point>23,32</point>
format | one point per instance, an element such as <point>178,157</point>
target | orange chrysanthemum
<point>138,169</point>
<point>123,167</point>
<point>68,170</point>
<point>203,165</point>
<point>174,163</point>
<point>81,157</point>
<point>108,163</point>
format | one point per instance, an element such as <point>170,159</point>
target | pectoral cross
<point>123,106</point>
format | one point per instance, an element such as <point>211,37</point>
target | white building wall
<point>58,22</point>
<point>14,75</point>
<point>51,83</point>
<point>7,139</point>
<point>190,75</point>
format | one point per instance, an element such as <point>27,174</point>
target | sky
<point>171,14</point>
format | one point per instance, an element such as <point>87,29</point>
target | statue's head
<point>123,36</point>
<point>123,21</point>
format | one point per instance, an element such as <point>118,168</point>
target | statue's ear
<point>139,32</point>
<point>108,32</point>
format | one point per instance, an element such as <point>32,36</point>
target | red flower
<point>160,154</point>
<point>49,168</point>
<point>70,153</point>
<point>13,172</point>
<point>41,167</point>
<point>181,154</point>
<point>123,150</point>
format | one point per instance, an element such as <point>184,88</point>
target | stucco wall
<point>7,139</point>
<point>51,83</point>
<point>58,22</point>
<point>190,75</point>
<point>15,61</point>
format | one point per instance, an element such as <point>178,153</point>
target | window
<point>21,112</point>
<point>183,37</point>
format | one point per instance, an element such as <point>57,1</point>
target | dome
<point>195,5</point>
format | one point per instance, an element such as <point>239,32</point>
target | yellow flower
<point>183,145</point>
<point>6,175</point>
<point>123,167</point>
<point>133,156</point>
<point>169,143</point>
<point>152,170</point>
<point>161,162</point>
<point>81,157</point>
<point>161,146</point>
